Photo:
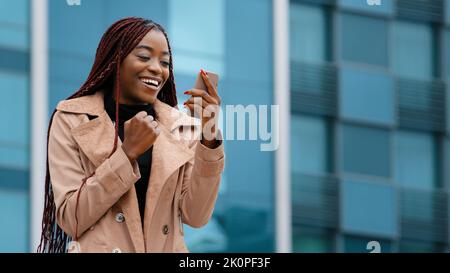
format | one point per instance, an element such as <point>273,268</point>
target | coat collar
<point>96,139</point>
<point>93,105</point>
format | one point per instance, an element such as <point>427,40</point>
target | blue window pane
<point>308,33</point>
<point>14,60</point>
<point>14,156</point>
<point>447,11</point>
<point>14,24</point>
<point>155,10</point>
<point>357,244</point>
<point>248,43</point>
<point>197,43</point>
<point>367,96</point>
<point>14,143</point>
<point>416,163</point>
<point>385,7</point>
<point>67,24</point>
<point>309,240</point>
<point>411,246</point>
<point>369,208</point>
<point>364,39</point>
<point>447,51</point>
<point>14,178</point>
<point>14,37</point>
<point>413,50</point>
<point>210,238</point>
<point>447,166</point>
<point>15,12</point>
<point>365,151</point>
<point>424,207</point>
<point>309,136</point>
<point>244,228</point>
<point>14,229</point>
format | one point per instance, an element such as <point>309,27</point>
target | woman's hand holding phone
<point>205,103</point>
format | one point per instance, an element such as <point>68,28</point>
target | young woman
<point>125,168</point>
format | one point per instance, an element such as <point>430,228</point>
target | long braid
<point>168,93</point>
<point>117,42</point>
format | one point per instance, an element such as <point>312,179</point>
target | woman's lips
<point>149,86</point>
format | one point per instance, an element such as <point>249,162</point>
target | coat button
<point>116,250</point>
<point>120,217</point>
<point>91,228</point>
<point>165,229</point>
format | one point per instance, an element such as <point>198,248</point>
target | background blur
<point>369,145</point>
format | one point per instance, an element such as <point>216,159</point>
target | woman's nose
<point>154,66</point>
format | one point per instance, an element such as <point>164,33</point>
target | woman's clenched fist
<point>140,133</point>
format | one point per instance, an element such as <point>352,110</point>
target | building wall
<point>14,125</point>
<point>369,134</point>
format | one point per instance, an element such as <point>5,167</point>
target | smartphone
<point>200,84</point>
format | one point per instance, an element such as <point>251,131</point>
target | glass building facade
<point>369,122</point>
<point>369,127</point>
<point>14,125</point>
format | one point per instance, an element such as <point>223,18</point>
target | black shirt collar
<point>126,111</point>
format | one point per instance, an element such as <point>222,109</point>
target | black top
<point>126,112</point>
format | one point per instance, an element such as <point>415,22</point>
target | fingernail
<point>184,103</point>
<point>203,72</point>
<point>186,92</point>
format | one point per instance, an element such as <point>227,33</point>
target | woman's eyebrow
<point>150,49</point>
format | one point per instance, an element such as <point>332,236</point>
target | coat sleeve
<point>201,184</point>
<point>114,177</point>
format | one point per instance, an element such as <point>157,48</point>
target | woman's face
<point>145,70</point>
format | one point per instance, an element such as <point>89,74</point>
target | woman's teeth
<point>150,82</point>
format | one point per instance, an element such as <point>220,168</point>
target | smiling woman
<point>145,70</point>
<point>122,173</point>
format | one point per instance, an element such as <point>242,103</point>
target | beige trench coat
<point>183,186</point>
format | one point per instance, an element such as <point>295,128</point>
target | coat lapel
<point>96,138</point>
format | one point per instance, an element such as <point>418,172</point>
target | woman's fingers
<point>193,109</point>
<point>149,118</point>
<point>141,114</point>
<point>202,109</point>
<point>211,89</point>
<point>200,100</point>
<point>152,122</point>
<point>203,94</point>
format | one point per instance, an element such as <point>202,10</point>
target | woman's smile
<point>152,83</point>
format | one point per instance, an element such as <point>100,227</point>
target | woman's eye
<point>165,63</point>
<point>144,58</point>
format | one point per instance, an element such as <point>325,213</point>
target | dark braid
<point>117,42</point>
<point>168,92</point>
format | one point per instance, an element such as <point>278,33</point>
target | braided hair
<point>117,42</point>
